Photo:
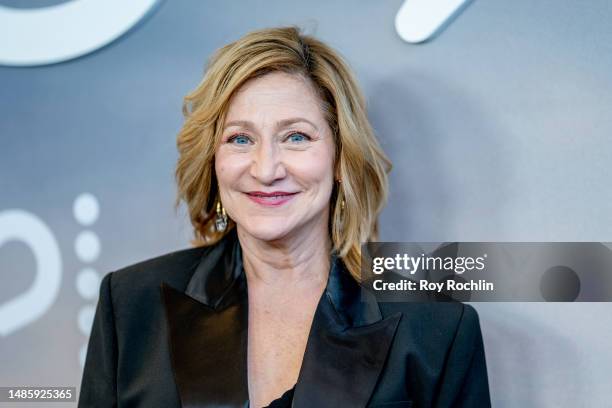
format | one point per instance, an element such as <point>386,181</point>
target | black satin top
<point>284,401</point>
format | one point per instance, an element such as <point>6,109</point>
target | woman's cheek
<point>313,163</point>
<point>228,164</point>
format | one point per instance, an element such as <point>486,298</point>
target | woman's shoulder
<point>145,277</point>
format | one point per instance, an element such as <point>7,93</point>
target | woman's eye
<point>239,139</point>
<point>298,137</point>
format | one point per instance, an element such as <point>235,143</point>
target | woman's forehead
<point>277,96</point>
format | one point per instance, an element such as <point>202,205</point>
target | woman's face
<point>276,158</point>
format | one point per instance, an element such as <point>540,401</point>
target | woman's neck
<point>301,260</point>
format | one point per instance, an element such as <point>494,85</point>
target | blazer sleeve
<point>464,381</point>
<point>98,384</point>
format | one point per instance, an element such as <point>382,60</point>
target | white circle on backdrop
<point>88,283</point>
<point>21,226</point>
<point>86,209</point>
<point>47,35</point>
<point>87,246</point>
<point>85,319</point>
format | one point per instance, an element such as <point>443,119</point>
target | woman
<point>283,179</point>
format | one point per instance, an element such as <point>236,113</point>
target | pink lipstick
<point>270,199</point>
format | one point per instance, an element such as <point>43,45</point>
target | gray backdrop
<point>499,130</point>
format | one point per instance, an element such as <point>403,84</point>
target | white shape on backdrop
<point>85,319</point>
<point>26,307</point>
<point>86,209</point>
<point>88,283</point>
<point>87,246</point>
<point>83,354</point>
<point>47,35</point>
<point>419,20</point>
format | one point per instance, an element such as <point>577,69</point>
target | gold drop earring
<point>221,220</point>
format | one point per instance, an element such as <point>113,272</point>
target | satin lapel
<point>208,331</point>
<point>208,351</point>
<point>347,346</point>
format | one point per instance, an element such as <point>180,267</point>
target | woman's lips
<point>271,199</point>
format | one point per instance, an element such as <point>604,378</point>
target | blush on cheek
<point>316,167</point>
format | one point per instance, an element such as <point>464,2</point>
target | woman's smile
<point>272,199</point>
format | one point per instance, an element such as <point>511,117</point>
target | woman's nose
<point>267,165</point>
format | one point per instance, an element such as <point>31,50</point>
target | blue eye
<point>298,137</point>
<point>239,139</point>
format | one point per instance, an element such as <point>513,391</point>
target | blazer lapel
<point>345,353</point>
<point>347,345</point>
<point>208,330</point>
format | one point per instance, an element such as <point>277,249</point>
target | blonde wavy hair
<point>360,162</point>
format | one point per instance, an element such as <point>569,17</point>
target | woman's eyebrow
<point>279,124</point>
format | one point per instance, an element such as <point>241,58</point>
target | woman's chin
<point>269,231</point>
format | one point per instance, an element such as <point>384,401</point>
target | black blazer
<point>172,331</point>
